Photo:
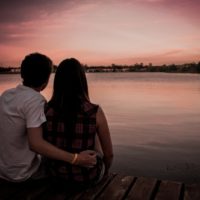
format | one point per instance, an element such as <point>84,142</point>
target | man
<point>21,119</point>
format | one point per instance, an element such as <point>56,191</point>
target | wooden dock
<point>115,187</point>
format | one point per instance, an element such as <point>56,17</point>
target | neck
<point>38,89</point>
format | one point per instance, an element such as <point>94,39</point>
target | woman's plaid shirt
<point>82,138</point>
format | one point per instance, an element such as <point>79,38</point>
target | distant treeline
<point>16,70</point>
<point>183,68</point>
<point>7,70</point>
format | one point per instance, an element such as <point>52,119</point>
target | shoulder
<point>100,111</point>
<point>101,117</point>
<point>31,100</point>
<point>22,95</point>
<point>89,107</point>
<point>8,92</point>
<point>36,102</point>
<point>32,96</point>
<point>25,94</point>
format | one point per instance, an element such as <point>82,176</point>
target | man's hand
<point>86,158</point>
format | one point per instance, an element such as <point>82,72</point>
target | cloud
<point>185,8</point>
<point>17,11</point>
<point>20,20</point>
<point>20,11</point>
<point>178,56</point>
<point>116,28</point>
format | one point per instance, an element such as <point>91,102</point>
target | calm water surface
<point>154,120</point>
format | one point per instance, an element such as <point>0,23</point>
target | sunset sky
<point>101,32</point>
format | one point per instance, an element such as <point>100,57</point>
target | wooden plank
<point>32,189</point>
<point>168,190</point>
<point>114,188</point>
<point>192,192</point>
<point>8,190</point>
<point>142,189</point>
<point>117,188</point>
<point>62,190</point>
<point>93,192</point>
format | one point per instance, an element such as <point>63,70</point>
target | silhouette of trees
<point>184,68</point>
<point>7,70</point>
<point>137,67</point>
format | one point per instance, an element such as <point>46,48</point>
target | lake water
<point>154,120</point>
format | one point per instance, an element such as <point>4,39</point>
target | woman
<point>75,124</point>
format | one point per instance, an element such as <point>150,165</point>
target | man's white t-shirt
<point>20,108</point>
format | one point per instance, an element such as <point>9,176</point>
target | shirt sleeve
<point>34,112</point>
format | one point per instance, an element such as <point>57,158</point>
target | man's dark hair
<point>35,69</point>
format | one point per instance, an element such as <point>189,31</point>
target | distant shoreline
<point>172,68</point>
<point>186,72</point>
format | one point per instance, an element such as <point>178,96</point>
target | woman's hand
<point>86,158</point>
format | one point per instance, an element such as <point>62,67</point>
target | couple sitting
<point>67,138</point>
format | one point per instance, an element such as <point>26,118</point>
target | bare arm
<point>41,146</point>
<point>105,138</point>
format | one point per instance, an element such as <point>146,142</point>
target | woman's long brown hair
<point>70,90</point>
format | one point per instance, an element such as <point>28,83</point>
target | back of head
<point>70,85</point>
<point>35,69</point>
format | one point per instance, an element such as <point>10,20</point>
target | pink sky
<point>102,31</point>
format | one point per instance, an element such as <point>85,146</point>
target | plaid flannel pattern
<point>82,138</point>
